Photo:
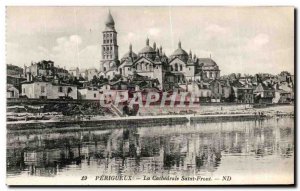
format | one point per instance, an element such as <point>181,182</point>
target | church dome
<point>148,51</point>
<point>129,54</point>
<point>207,62</point>
<point>147,48</point>
<point>179,51</point>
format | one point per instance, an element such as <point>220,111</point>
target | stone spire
<point>195,56</point>
<point>130,50</point>
<point>110,23</point>
<point>157,58</point>
<point>160,50</point>
<point>179,44</point>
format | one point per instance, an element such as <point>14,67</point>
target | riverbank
<point>136,121</point>
<point>100,122</point>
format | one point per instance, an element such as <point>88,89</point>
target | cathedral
<point>152,63</point>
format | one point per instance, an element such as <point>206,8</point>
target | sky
<point>245,40</point>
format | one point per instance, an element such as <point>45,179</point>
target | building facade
<point>109,47</point>
<point>180,67</point>
<point>48,90</point>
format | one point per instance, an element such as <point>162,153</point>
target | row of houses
<point>47,82</point>
<point>205,91</point>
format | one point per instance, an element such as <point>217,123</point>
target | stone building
<point>42,89</point>
<point>151,62</point>
<point>11,91</point>
<point>44,68</point>
<point>109,47</point>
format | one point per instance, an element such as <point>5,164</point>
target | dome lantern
<point>179,44</point>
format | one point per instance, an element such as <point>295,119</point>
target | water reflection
<point>187,149</point>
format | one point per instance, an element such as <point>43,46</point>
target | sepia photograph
<point>150,95</point>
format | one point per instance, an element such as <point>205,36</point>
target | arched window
<point>176,67</point>
<point>180,67</point>
<point>104,69</point>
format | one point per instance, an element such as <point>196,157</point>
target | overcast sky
<point>245,40</point>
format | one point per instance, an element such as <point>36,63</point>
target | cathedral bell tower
<point>110,53</point>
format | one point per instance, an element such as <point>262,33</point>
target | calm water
<point>245,148</point>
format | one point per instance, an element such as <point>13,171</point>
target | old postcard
<point>150,95</point>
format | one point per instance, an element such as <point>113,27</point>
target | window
<point>104,69</point>
<point>176,67</point>
<point>42,89</point>
<point>180,67</point>
<point>60,89</point>
<point>95,95</point>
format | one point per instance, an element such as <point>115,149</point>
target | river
<point>256,151</point>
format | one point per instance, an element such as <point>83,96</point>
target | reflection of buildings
<point>187,150</point>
